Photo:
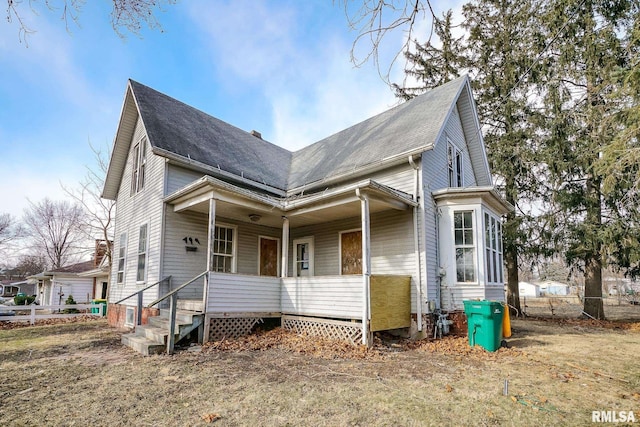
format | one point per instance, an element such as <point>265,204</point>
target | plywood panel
<point>351,247</point>
<point>390,302</point>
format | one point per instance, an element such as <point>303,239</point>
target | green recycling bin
<point>484,321</point>
<point>99,307</point>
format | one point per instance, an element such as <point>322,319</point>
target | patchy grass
<point>79,374</point>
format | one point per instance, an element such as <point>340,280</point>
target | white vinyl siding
<point>133,211</point>
<point>392,245</point>
<point>234,293</point>
<point>326,296</point>
<point>81,288</point>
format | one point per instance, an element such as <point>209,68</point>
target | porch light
<point>255,217</point>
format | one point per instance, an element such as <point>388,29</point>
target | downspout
<point>416,242</point>
<point>366,265</point>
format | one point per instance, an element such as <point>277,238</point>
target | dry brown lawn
<point>558,372</point>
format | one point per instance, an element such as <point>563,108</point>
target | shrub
<point>24,299</point>
<point>70,301</point>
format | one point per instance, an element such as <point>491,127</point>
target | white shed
<point>529,289</point>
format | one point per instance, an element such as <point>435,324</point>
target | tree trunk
<point>511,252</point>
<point>593,305</point>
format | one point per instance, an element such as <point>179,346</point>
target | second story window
<point>122,252</point>
<point>139,157</point>
<point>454,163</point>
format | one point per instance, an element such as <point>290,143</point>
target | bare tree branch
<point>376,20</point>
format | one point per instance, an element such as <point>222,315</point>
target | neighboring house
<point>8,288</point>
<point>529,289</point>
<point>100,271</point>
<point>550,287</point>
<point>372,228</point>
<point>55,286</point>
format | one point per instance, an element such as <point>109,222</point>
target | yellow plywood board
<point>390,302</point>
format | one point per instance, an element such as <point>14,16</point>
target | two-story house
<point>372,228</point>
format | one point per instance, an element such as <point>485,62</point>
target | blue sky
<point>280,67</point>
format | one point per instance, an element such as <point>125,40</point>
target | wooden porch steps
<point>152,338</point>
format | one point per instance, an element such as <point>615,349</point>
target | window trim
<point>311,261</point>
<point>138,168</point>
<point>455,165</point>
<point>129,316</point>
<point>340,248</point>
<point>492,233</point>
<point>463,246</point>
<point>123,236</point>
<point>145,252</point>
<point>234,246</point>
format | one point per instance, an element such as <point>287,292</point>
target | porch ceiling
<point>330,205</point>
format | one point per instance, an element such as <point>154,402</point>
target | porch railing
<point>173,303</point>
<point>140,293</point>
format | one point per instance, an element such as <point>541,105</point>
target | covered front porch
<point>344,261</point>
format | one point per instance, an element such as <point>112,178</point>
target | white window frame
<point>138,168</point>
<point>122,256</point>
<point>455,165</point>
<point>142,251</point>
<point>129,316</point>
<point>340,247</point>
<point>493,251</point>
<point>234,246</point>
<point>464,246</point>
<point>310,261</point>
<point>260,252</point>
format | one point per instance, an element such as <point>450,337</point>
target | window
<point>129,317</point>
<point>303,261</point>
<point>454,162</point>
<point>122,252</point>
<point>464,245</point>
<point>142,254</point>
<point>139,163</point>
<point>224,250</point>
<point>493,248</point>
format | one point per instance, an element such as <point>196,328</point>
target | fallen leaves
<point>6,325</point>
<point>210,418</point>
<point>281,339</point>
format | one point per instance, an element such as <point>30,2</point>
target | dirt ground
<point>558,371</point>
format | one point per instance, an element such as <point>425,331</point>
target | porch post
<point>366,265</point>
<point>284,264</point>
<point>205,293</point>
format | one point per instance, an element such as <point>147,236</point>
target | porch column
<point>205,293</point>
<point>284,264</point>
<point>366,264</point>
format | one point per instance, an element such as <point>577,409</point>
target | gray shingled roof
<point>183,130</point>
<point>410,127</point>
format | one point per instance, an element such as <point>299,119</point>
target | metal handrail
<point>143,289</point>
<point>173,308</point>
<point>176,290</point>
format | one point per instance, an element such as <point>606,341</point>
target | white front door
<point>303,261</point>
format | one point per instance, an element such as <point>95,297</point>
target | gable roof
<point>195,139</point>
<point>175,127</point>
<point>409,128</point>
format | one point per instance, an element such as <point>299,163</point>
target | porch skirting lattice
<point>232,327</point>
<point>327,328</point>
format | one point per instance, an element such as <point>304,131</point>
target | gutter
<point>416,243</point>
